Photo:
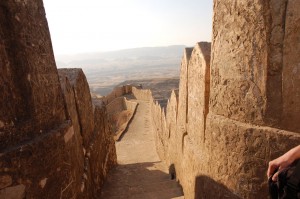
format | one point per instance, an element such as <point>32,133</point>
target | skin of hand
<point>282,162</point>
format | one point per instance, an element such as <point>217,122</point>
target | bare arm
<point>283,161</point>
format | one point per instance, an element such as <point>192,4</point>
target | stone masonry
<point>238,103</point>
<point>54,143</point>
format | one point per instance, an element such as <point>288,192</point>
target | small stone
<point>85,176</point>
<point>28,77</point>
<point>1,124</point>
<point>69,134</point>
<point>43,182</point>
<point>17,18</point>
<point>82,187</point>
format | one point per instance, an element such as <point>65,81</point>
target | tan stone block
<point>15,192</point>
<point>5,181</point>
<point>183,87</point>
<point>198,91</point>
<point>291,67</point>
<point>254,55</point>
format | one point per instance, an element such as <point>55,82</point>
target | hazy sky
<point>79,26</point>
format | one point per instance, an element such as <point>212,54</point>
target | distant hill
<point>127,55</point>
<point>104,70</point>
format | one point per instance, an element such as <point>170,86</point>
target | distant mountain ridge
<point>104,70</point>
<point>100,58</point>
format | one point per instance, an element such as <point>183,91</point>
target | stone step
<point>170,187</point>
<point>175,193</point>
<point>125,180</point>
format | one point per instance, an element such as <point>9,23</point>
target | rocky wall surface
<point>50,145</point>
<point>141,94</point>
<point>249,78</point>
<point>254,64</point>
<point>117,105</point>
<point>291,67</point>
<point>101,153</point>
<point>251,117</point>
<point>117,92</point>
<point>37,140</point>
<point>198,91</point>
<point>171,117</point>
<point>97,149</point>
<point>183,88</point>
<point>83,101</point>
<point>45,167</point>
<point>180,131</point>
<point>120,112</point>
<point>31,100</point>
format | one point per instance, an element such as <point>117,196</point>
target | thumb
<point>271,169</point>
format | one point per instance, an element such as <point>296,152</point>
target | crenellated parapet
<point>238,103</point>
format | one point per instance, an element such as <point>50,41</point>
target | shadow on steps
<point>147,180</point>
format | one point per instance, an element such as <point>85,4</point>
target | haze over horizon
<point>78,26</point>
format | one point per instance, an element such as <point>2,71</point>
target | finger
<point>275,176</point>
<point>271,169</point>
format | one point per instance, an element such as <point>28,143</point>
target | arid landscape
<point>106,70</point>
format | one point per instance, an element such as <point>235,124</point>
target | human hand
<point>283,162</point>
<point>278,164</point>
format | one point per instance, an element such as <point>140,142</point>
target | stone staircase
<point>138,181</point>
<point>140,173</point>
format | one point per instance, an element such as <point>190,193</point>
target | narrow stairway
<point>140,173</point>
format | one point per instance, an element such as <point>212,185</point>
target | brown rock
<point>5,181</point>
<point>83,101</point>
<point>40,149</point>
<point>291,68</point>
<point>31,98</point>
<point>15,192</point>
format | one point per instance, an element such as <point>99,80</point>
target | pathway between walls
<point>140,173</point>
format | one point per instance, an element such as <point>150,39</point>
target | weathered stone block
<point>183,87</point>
<point>15,192</point>
<point>83,101</point>
<point>102,151</point>
<point>291,67</point>
<point>243,150</point>
<point>198,91</point>
<point>46,157</point>
<point>254,55</point>
<point>31,101</point>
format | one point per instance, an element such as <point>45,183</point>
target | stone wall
<point>31,98</point>
<point>93,132</point>
<point>141,94</point>
<point>120,112</point>
<point>117,92</point>
<point>53,143</point>
<point>117,105</point>
<point>239,110</point>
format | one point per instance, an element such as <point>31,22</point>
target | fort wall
<point>233,113</point>
<point>54,142</point>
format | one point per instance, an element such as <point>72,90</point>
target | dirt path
<point>140,173</point>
